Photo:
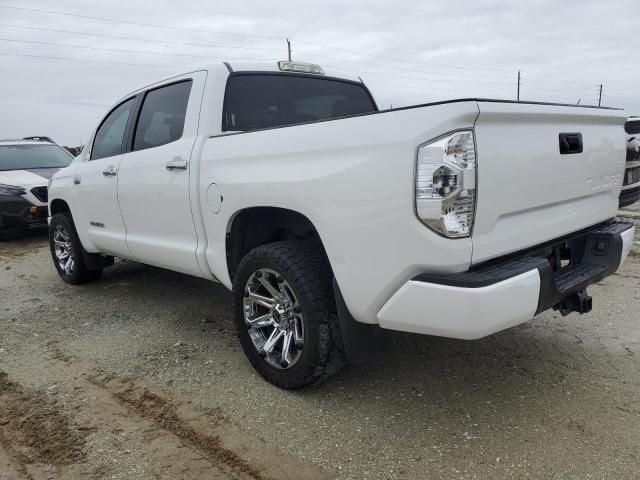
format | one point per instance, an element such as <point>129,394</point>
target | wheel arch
<point>58,205</point>
<point>252,227</point>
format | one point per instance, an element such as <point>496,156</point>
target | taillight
<point>446,184</point>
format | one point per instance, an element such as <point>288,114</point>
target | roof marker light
<point>299,67</point>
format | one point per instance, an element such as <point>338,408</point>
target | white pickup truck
<point>328,218</point>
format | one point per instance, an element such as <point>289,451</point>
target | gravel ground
<point>139,375</point>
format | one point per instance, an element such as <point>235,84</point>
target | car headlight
<point>11,190</point>
<point>446,184</point>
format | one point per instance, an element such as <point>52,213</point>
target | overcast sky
<point>406,51</point>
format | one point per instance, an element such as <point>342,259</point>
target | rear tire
<point>68,253</point>
<point>297,277</point>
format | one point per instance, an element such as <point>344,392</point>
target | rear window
<point>632,127</point>
<point>263,101</point>
<point>21,157</point>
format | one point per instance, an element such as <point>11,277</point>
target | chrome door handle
<point>110,171</point>
<point>176,165</point>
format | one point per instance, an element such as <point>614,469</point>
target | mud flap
<point>95,261</point>
<point>362,341</point>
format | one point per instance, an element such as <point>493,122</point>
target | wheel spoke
<point>265,320</point>
<point>273,318</point>
<point>268,287</point>
<point>68,266</point>
<point>261,299</point>
<point>285,291</point>
<point>63,234</point>
<point>297,325</point>
<point>275,336</point>
<point>286,346</point>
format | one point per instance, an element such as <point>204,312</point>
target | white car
<point>328,218</point>
<point>25,168</point>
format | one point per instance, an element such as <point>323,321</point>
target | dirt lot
<point>139,376</point>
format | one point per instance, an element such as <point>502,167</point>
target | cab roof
<point>273,66</point>
<point>257,66</point>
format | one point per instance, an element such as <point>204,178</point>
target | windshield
<point>21,157</point>
<point>632,127</point>
<point>255,101</point>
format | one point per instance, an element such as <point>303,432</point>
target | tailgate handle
<point>570,143</point>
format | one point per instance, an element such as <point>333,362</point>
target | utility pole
<point>289,48</point>
<point>600,96</point>
<point>518,97</point>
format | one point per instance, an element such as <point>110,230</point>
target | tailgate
<point>528,191</point>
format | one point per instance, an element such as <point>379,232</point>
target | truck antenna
<point>600,96</point>
<point>289,48</point>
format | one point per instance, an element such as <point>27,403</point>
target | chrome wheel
<point>273,318</point>
<point>63,250</point>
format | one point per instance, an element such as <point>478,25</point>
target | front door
<point>95,185</point>
<point>153,178</point>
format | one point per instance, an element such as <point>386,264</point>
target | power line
<point>209,57</point>
<point>395,59</point>
<point>140,24</point>
<point>626,92</point>
<point>557,87</point>
<point>363,72</point>
<point>558,90</point>
<point>138,39</point>
<point>272,37</point>
<point>50,57</point>
<point>550,79</point>
<point>429,88</point>
<point>34,42</point>
<point>121,37</point>
<point>437,80</point>
<point>410,70</point>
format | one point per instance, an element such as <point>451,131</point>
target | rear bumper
<point>18,213</point>
<point>510,290</point>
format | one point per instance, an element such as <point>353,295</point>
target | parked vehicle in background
<point>25,168</point>
<point>40,138</point>
<point>631,183</point>
<point>329,219</point>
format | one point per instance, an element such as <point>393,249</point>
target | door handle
<point>176,164</point>
<point>110,171</point>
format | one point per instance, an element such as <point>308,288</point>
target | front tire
<point>285,313</point>
<point>68,253</point>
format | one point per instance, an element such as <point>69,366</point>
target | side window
<point>161,119</point>
<point>108,139</point>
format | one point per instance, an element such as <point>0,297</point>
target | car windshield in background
<point>21,157</point>
<point>254,101</point>
<point>632,127</point>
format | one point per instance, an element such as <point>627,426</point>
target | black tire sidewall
<point>81,274</point>
<point>308,290</point>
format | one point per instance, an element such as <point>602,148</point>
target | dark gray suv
<point>631,184</point>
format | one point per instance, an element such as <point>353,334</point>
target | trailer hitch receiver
<point>580,302</point>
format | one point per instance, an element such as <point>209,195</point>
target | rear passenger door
<point>154,175</point>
